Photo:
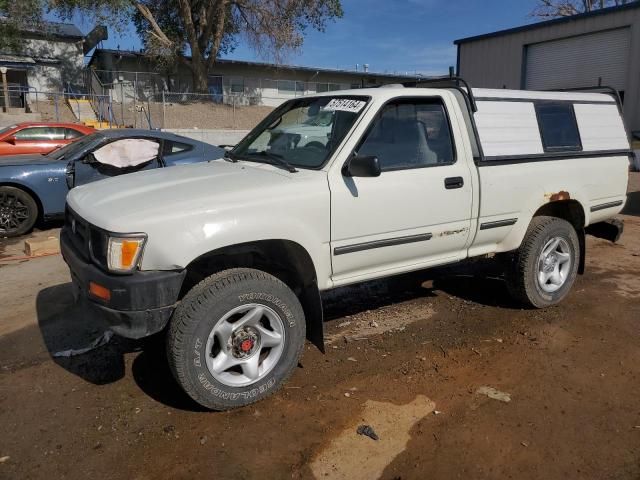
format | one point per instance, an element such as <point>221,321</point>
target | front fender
<point>46,183</point>
<point>192,236</point>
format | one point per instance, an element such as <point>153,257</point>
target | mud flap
<point>583,252</point>
<point>312,305</point>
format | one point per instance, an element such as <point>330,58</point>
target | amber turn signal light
<point>99,291</point>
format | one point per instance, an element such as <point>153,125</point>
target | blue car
<point>34,187</point>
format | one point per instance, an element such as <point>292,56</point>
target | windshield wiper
<point>277,159</point>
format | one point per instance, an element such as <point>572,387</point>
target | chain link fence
<point>153,100</point>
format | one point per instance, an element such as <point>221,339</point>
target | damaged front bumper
<point>135,305</point>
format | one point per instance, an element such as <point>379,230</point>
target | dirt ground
<point>407,356</point>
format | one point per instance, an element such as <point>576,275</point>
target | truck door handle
<point>453,182</point>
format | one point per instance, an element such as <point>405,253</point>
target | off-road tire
<point>26,202</point>
<point>522,270</point>
<point>203,307</point>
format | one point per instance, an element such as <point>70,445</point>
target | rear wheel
<point>18,212</point>
<point>235,338</point>
<point>545,266</point>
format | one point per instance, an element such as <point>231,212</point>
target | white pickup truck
<point>231,256</point>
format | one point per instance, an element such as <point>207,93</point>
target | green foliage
<point>164,13</point>
<point>192,32</point>
<point>16,16</point>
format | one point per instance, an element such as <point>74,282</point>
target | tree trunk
<point>199,71</point>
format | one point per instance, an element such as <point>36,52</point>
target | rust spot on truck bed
<point>556,197</point>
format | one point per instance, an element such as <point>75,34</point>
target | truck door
<point>418,211</point>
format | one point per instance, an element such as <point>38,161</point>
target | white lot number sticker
<point>344,105</point>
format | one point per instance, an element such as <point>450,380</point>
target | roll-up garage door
<point>579,61</point>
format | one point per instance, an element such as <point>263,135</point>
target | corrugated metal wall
<point>578,61</point>
<point>501,61</point>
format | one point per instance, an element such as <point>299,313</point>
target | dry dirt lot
<point>405,356</point>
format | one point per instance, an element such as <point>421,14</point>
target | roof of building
<point>246,63</point>
<point>55,29</point>
<point>548,23</point>
<point>63,30</point>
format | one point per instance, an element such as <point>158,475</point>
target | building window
<point>334,86</point>
<point>236,84</point>
<point>300,88</point>
<point>558,126</point>
<point>286,86</point>
<point>322,87</point>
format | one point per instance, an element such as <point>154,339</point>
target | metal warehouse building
<point>600,47</point>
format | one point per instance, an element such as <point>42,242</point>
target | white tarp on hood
<point>128,152</point>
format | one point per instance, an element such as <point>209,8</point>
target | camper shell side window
<point>558,126</point>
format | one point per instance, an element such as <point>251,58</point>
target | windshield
<point>323,119</point>
<point>6,129</point>
<point>285,133</point>
<point>74,147</point>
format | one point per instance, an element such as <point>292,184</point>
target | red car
<point>40,137</point>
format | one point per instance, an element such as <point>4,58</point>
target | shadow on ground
<point>632,207</point>
<point>65,324</point>
<point>69,325</point>
<point>479,281</point>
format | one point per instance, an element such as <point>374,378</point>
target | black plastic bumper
<point>140,304</point>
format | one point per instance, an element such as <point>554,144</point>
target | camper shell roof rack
<point>448,81</point>
<point>595,88</point>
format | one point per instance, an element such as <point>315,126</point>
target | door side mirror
<point>362,166</point>
<point>11,139</point>
<point>89,159</point>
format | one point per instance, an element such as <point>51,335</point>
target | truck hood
<point>16,160</point>
<point>129,202</point>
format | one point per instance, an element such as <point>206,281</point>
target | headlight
<point>123,253</point>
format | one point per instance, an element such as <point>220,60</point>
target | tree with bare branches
<point>567,8</point>
<point>196,32</point>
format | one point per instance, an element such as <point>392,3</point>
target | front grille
<point>79,233</point>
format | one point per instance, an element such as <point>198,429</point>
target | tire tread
<point>516,273</point>
<point>184,317</point>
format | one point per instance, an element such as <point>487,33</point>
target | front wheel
<point>235,338</point>
<point>18,212</point>
<point>545,266</point>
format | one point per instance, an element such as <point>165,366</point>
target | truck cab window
<point>410,134</point>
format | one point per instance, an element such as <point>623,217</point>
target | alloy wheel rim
<point>245,345</point>
<point>554,264</point>
<point>13,212</point>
